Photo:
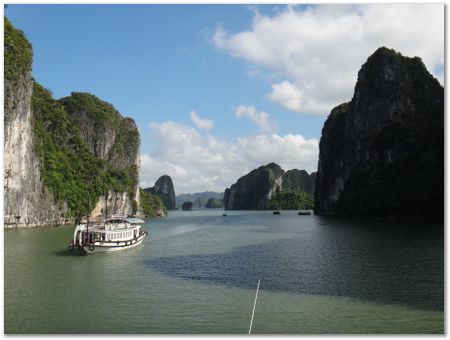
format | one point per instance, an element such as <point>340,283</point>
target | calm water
<point>197,273</point>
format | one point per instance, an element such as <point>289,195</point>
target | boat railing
<point>118,216</point>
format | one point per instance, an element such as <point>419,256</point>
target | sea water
<point>197,273</point>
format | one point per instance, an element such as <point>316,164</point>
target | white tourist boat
<point>116,233</point>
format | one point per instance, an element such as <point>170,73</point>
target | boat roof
<point>133,220</point>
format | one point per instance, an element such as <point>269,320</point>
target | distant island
<point>165,190</point>
<point>214,203</point>
<point>267,187</point>
<point>199,199</point>
<point>187,206</point>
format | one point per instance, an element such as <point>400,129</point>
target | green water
<point>197,273</point>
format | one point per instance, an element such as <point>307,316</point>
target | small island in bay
<point>269,185</point>
<point>165,190</point>
<point>187,206</point>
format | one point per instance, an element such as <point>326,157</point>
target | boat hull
<point>107,247</point>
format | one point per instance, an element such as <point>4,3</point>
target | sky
<point>219,90</point>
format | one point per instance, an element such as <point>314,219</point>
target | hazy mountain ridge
<point>199,199</point>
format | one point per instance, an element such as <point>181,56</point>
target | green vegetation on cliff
<point>100,123</point>
<point>102,113</point>
<point>291,200</point>
<point>152,206</point>
<point>68,168</point>
<point>85,149</point>
<point>18,57</point>
<point>18,53</point>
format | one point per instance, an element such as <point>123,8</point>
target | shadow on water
<point>66,252</point>
<point>384,265</point>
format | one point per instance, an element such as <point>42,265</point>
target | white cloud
<point>316,53</point>
<point>198,162</point>
<point>287,95</point>
<point>205,124</point>
<point>259,118</point>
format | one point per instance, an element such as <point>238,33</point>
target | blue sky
<point>260,79</point>
<point>152,62</point>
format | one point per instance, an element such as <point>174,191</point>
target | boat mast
<point>88,218</point>
<point>254,305</point>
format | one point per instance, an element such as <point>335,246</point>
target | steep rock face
<point>26,202</point>
<point>115,203</point>
<point>112,138</point>
<point>51,175</point>
<point>254,190</point>
<point>97,120</point>
<point>298,179</point>
<point>107,134</point>
<point>164,189</point>
<point>382,153</point>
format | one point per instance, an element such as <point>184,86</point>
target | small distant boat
<point>305,212</point>
<point>116,233</point>
<point>277,212</point>
<point>224,215</point>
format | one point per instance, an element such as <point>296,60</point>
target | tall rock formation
<point>113,139</point>
<point>52,172</point>
<point>254,190</point>
<point>164,189</point>
<point>382,154</point>
<point>26,201</point>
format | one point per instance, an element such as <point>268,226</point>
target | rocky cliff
<point>56,169</point>
<point>113,139</point>
<point>382,154</point>
<point>299,179</point>
<point>254,190</point>
<point>165,191</point>
<point>26,201</point>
